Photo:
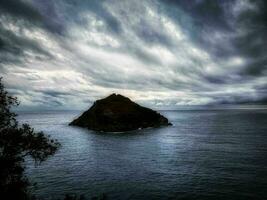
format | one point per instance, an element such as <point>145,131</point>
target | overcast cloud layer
<point>68,53</point>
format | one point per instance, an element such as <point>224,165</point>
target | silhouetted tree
<point>17,142</point>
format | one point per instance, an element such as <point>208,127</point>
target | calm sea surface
<point>207,154</point>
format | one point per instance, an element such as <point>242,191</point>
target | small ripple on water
<point>211,154</point>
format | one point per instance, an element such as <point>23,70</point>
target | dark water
<point>206,155</point>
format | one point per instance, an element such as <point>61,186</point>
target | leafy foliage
<point>17,142</point>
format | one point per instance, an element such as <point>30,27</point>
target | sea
<point>206,154</point>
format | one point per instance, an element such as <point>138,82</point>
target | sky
<point>65,54</point>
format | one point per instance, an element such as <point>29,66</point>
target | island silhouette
<point>117,113</point>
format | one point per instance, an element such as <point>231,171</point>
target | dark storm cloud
<point>111,21</point>
<point>151,35</point>
<point>161,53</point>
<point>205,12</point>
<point>253,43</point>
<point>207,16</point>
<point>216,16</point>
<point>241,27</point>
<point>51,19</point>
<point>230,99</point>
<point>53,93</point>
<point>75,8</point>
<point>36,13</point>
<point>20,8</point>
<point>14,44</point>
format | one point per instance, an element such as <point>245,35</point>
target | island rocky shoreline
<point>117,113</point>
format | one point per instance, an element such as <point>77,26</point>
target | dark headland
<point>117,113</point>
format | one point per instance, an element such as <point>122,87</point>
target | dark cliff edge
<point>117,113</point>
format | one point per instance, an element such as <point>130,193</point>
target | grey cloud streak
<point>65,54</point>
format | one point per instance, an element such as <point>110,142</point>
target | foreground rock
<point>117,113</point>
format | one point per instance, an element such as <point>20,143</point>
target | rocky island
<point>117,113</point>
